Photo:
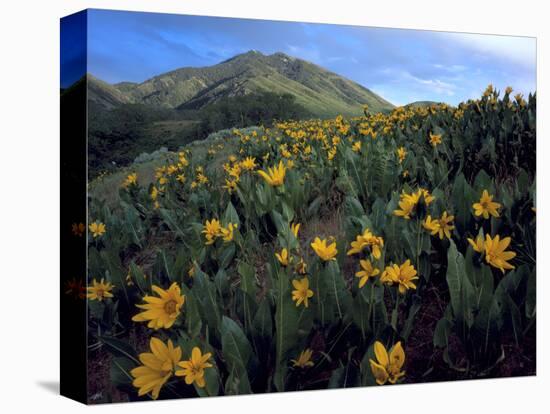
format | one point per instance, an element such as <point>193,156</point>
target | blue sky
<point>400,65</point>
<point>73,48</point>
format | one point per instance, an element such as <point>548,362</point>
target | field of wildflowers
<point>317,254</point>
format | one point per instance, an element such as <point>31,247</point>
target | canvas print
<point>254,206</point>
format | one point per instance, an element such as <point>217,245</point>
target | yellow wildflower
<point>99,290</point>
<point>302,291</point>
<point>201,178</point>
<point>301,267</point>
<point>488,91</point>
<point>284,258</point>
<point>193,369</point>
<point>435,140</point>
<point>431,225</point>
<point>158,366</point>
<point>401,153</point>
<point>496,254</point>
<point>230,185</point>
<point>212,229</point>
<point>364,240</point>
<point>324,251</point>
<point>97,228</point>
<point>163,311</point>
<point>130,180</point>
<point>275,175</point>
<point>368,271</point>
<point>408,202</point>
<point>445,225</point>
<point>304,359</point>
<point>478,244</point>
<point>403,275</point>
<point>486,206</point>
<point>154,193</point>
<point>249,163</point>
<point>227,232</point>
<point>295,227</point>
<point>441,226</point>
<point>387,367</point>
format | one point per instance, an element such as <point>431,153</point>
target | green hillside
<point>420,104</point>
<point>321,92</point>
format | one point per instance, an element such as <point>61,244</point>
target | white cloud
<point>434,85</point>
<point>450,68</point>
<point>517,50</point>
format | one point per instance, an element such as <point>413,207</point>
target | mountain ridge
<point>322,92</point>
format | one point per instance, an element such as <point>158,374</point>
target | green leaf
<point>111,261</point>
<point>171,221</point>
<point>462,200</point>
<point>212,379</point>
<point>460,290</point>
<point>205,293</point>
<point>166,264</point>
<point>222,284</point>
<point>531,295</point>
<point>292,325</point>
<point>120,348</point>
<point>353,207</point>
<point>409,322</point>
<point>314,206</point>
<point>378,215</point>
<point>345,376</point>
<point>237,352</point>
<point>227,254</point>
<point>441,333</point>
<point>288,212</point>
<point>279,222</point>
<point>483,182</point>
<point>193,321</point>
<point>262,324</point>
<point>139,277</point>
<point>247,273</point>
<point>231,215</point>
<point>338,294</point>
<point>132,223</point>
<point>120,372</point>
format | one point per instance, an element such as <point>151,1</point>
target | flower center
<point>100,292</point>
<point>170,307</point>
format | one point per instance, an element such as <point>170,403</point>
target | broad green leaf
<point>248,281</point>
<point>120,348</point>
<point>237,352</point>
<point>205,293</point>
<point>460,290</point>
<point>231,216</point>
<point>120,372</point>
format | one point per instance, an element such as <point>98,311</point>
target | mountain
<point>105,94</point>
<point>321,92</point>
<point>419,104</point>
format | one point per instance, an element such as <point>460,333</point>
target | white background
<point>29,205</point>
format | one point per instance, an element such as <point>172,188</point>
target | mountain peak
<point>282,56</point>
<point>322,92</point>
